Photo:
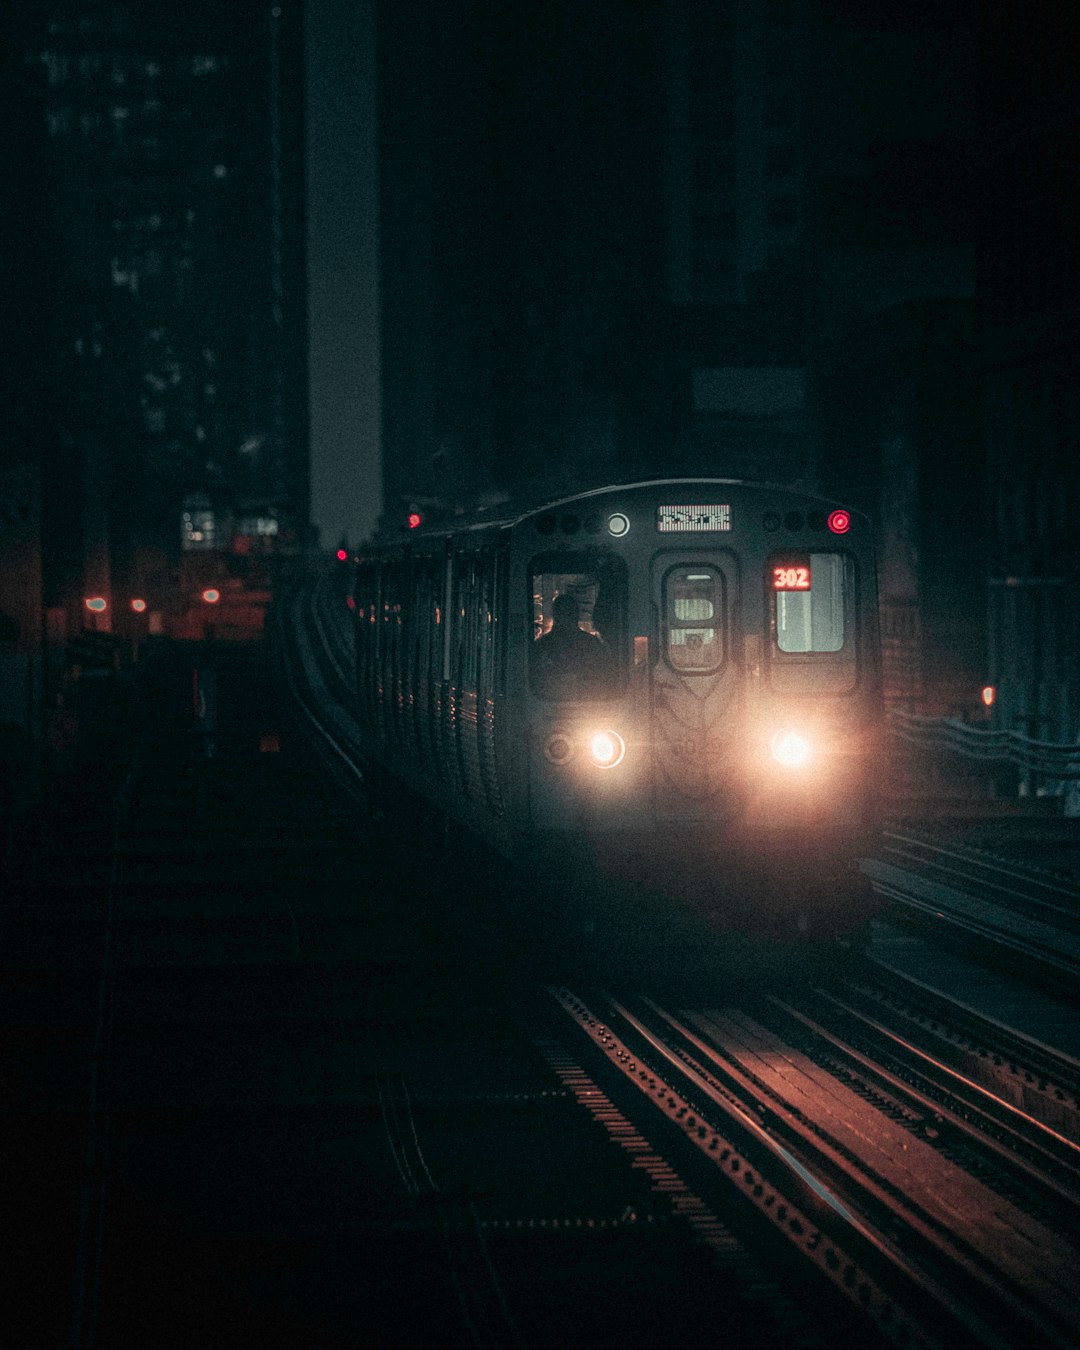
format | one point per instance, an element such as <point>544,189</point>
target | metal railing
<point>944,753</point>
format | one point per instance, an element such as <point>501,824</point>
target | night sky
<point>342,268</point>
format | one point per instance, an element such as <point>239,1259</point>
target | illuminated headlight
<point>791,749</point>
<point>607,748</point>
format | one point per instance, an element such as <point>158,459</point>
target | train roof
<point>502,516</point>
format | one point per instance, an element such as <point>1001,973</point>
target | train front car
<point>694,668</point>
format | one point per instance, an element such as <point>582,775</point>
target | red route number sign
<point>791,578</point>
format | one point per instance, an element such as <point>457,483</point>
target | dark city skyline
<point>350,259</point>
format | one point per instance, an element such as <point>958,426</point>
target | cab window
<point>813,621</point>
<point>694,619</point>
<point>578,621</point>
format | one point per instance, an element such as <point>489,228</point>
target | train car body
<point>710,728</point>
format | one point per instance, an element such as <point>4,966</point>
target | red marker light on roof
<point>342,554</point>
<point>415,520</point>
<point>989,693</point>
<point>839,521</point>
<point>211,596</point>
<point>139,606</point>
<point>97,604</point>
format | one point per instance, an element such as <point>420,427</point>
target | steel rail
<point>1040,943</point>
<point>791,1203</point>
<point>968,869</point>
<point>974,1298</point>
<point>971,1095</point>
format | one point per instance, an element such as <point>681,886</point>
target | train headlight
<point>608,748</point>
<point>791,749</point>
<point>559,748</point>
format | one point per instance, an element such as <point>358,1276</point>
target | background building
<point>1029,290</point>
<point>738,217</point>
<point>895,383</point>
<point>721,237</point>
<point>25,438</point>
<point>594,245</point>
<point>175,160</point>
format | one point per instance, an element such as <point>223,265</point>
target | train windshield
<point>813,621</point>
<point>578,616</point>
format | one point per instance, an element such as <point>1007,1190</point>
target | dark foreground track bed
<point>270,1085</point>
<point>285,1076</point>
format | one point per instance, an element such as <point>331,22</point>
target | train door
<point>696,686</point>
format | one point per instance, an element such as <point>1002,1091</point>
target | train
<point>672,685</point>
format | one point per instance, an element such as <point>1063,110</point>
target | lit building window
<point>267,526</point>
<point>198,530</point>
<point>57,66</point>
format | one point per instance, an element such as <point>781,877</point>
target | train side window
<point>465,620</point>
<point>578,626</point>
<point>694,619</point>
<point>813,622</point>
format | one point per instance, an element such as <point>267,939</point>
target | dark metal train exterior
<point>710,730</point>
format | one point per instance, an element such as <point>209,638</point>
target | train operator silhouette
<point>570,663</point>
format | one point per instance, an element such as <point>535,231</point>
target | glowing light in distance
<point>96,604</point>
<point>989,693</point>
<point>791,749</point>
<point>211,596</point>
<point>415,520</point>
<point>839,521</point>
<point>139,606</point>
<point>342,554</point>
<point>618,525</point>
<point>608,748</point>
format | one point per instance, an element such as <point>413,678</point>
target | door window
<point>694,619</point>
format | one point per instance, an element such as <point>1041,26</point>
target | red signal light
<point>342,555</point>
<point>989,694</point>
<point>415,520</point>
<point>139,606</point>
<point>211,595</point>
<point>839,521</point>
<point>96,604</point>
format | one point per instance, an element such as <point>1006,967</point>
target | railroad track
<point>853,1166</point>
<point>1027,1076</point>
<point>950,889</point>
<point>914,1165</point>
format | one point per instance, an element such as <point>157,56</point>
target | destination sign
<point>702,519</point>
